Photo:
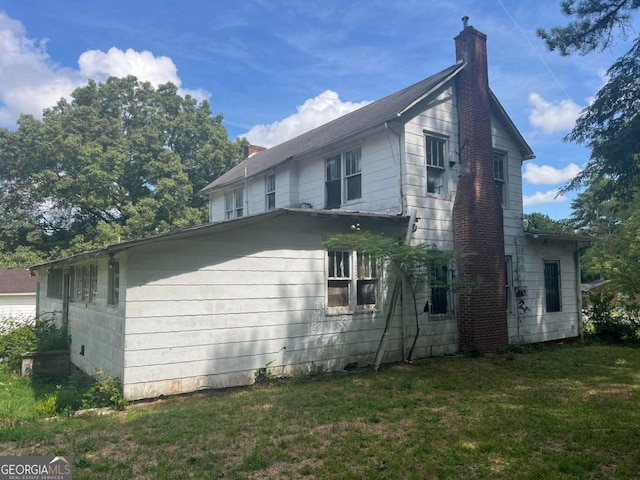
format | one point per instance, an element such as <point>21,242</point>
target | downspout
<point>401,209</point>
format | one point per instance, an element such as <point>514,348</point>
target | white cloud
<point>553,117</point>
<point>312,113</point>
<point>537,198</point>
<point>144,65</point>
<point>548,175</point>
<point>30,81</point>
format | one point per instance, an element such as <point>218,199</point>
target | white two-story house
<point>436,163</point>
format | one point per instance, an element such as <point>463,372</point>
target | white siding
<point>532,323</point>
<point>97,327</point>
<point>439,117</point>
<point>18,306</point>
<point>208,312</point>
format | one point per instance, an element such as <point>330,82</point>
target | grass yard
<point>558,413</point>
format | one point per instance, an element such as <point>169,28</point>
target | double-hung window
<point>500,175</point>
<point>233,204</point>
<point>439,289</point>
<point>436,149</point>
<point>270,191</point>
<point>86,278</point>
<point>352,281</point>
<point>552,286</point>
<point>343,178</point>
<point>113,288</point>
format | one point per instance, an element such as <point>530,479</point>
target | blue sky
<point>278,68</point>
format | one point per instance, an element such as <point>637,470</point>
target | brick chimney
<point>251,149</point>
<point>477,213</point>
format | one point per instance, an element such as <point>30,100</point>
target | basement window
<point>436,148</point>
<point>350,289</point>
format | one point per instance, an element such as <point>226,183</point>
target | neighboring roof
<point>370,116</point>
<point>222,226</point>
<point>374,114</point>
<point>16,281</point>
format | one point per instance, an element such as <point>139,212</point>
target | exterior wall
<point>210,311</point>
<point>302,182</point>
<point>530,322</point>
<point>438,117</point>
<point>18,306</point>
<point>96,329</point>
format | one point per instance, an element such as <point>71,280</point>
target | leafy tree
<point>610,125</point>
<point>120,161</point>
<point>542,223</point>
<point>617,257</point>
<point>596,210</point>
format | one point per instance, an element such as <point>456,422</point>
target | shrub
<point>19,337</point>
<point>104,391</point>
<point>611,319</point>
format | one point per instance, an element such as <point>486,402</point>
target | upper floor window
<point>233,204</point>
<point>435,155</point>
<point>552,286</point>
<point>270,191</point>
<point>500,175</point>
<point>343,178</point>
<point>351,288</point>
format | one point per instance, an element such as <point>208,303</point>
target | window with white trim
<point>86,288</point>
<point>436,149</point>
<point>343,178</point>
<point>233,204</point>
<point>348,288</point>
<point>500,175</point>
<point>270,191</point>
<point>113,286</point>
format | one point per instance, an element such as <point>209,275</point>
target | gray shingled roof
<point>371,115</point>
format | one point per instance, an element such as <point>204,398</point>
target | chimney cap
<point>465,21</point>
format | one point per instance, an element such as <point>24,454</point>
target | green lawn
<point>557,413</point>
